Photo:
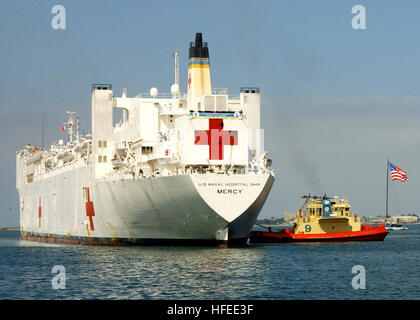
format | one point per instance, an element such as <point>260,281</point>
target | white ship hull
<point>181,209</point>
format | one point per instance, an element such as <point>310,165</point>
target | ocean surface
<point>264,271</point>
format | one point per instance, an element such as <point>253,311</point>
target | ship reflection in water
<point>260,271</point>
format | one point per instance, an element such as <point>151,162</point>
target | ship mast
<point>69,126</point>
<point>175,86</point>
<point>77,128</point>
<point>43,128</point>
<point>176,67</point>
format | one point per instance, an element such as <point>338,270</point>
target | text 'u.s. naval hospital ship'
<point>177,169</point>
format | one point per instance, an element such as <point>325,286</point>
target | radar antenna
<point>69,125</point>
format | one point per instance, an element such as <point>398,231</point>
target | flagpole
<point>387,183</point>
<point>43,129</point>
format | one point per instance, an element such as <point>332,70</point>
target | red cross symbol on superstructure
<point>189,80</point>
<point>216,138</point>
<point>90,212</point>
<point>39,212</point>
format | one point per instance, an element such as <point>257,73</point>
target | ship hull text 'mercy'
<point>177,168</point>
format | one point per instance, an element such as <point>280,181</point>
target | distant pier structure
<point>399,219</point>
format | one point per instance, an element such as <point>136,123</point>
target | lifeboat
<point>82,147</point>
<point>66,155</point>
<point>325,220</point>
<point>118,162</point>
<point>50,162</point>
<point>36,156</point>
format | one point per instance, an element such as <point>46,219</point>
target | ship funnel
<point>198,49</point>
<point>198,40</point>
<point>199,82</point>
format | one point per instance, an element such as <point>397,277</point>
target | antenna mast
<point>43,127</point>
<point>70,125</point>
<point>176,55</point>
<point>77,128</point>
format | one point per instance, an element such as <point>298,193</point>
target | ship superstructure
<point>176,168</point>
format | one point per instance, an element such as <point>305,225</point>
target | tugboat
<point>326,220</point>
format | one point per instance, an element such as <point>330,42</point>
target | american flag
<point>397,173</point>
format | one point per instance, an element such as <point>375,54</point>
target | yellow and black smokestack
<point>199,82</point>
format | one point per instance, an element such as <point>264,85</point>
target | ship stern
<point>237,199</point>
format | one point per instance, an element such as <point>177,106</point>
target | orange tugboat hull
<point>368,233</point>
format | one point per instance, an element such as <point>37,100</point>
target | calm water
<point>280,271</point>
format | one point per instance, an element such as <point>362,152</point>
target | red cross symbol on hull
<point>90,212</point>
<point>216,138</point>
<point>39,213</point>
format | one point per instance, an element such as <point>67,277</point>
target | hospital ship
<point>176,168</point>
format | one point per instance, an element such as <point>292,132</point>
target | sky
<point>336,102</point>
